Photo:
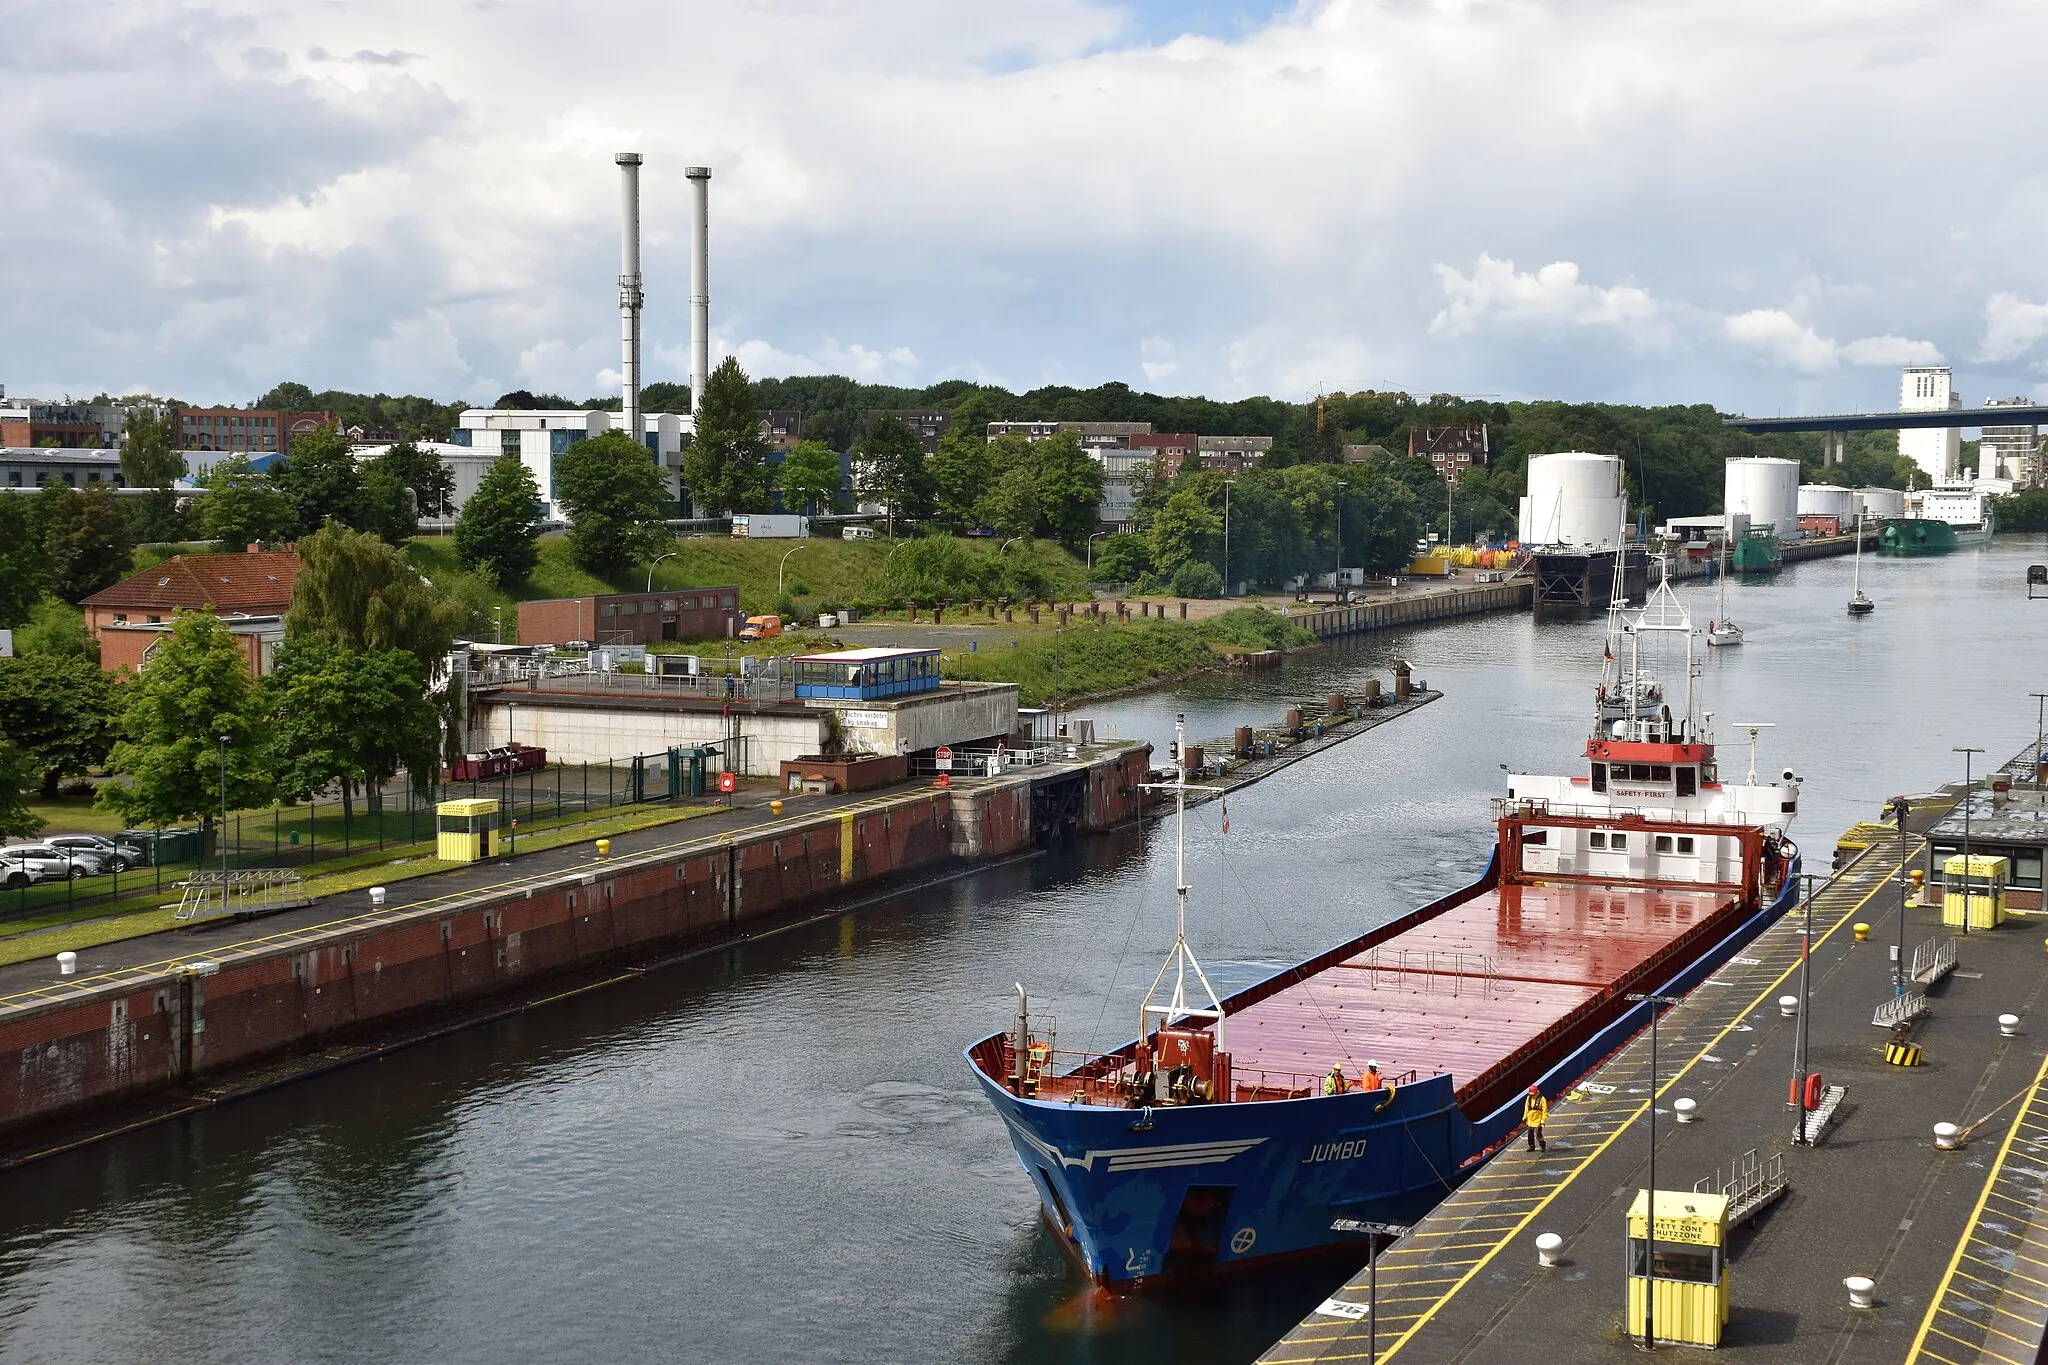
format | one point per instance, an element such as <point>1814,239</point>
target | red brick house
<point>249,592</point>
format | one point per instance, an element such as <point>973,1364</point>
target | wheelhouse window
<point>1663,843</point>
<point>1688,781</point>
<point>1598,838</point>
<point>1599,777</point>
<point>1660,772</point>
<point>1617,840</point>
<point>1685,844</point>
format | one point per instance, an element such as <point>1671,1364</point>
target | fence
<point>325,830</point>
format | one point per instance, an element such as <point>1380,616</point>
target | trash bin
<point>1690,1277</point>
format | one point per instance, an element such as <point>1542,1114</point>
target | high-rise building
<point>2008,453</point>
<point>1937,450</point>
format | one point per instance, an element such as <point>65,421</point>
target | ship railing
<point>1107,1079</point>
<point>1537,807</point>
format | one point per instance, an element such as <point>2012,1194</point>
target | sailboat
<point>1859,605</point>
<point>1721,630</point>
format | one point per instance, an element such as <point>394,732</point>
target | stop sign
<point>944,757</point>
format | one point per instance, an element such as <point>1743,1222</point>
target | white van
<point>856,533</point>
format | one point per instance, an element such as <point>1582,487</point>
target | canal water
<point>776,1152</point>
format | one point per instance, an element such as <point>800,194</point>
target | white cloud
<point>1495,290</point>
<point>871,365</point>
<point>2012,327</point>
<point>1788,342</point>
<point>1155,357</point>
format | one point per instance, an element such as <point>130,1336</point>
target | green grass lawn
<point>821,573</point>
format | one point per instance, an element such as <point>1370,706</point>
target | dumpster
<point>1987,878</point>
<point>464,829</point>
<point>1690,1276</point>
<point>161,847</point>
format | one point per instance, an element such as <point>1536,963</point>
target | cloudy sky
<point>1760,205</point>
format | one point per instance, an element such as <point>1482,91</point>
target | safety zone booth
<point>1689,1274</point>
<point>464,829</point>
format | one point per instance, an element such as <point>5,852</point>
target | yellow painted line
<point>2000,1285</point>
<point>1944,1360</point>
<point>1387,1352</point>
<point>2012,1274</point>
<point>1962,1243</point>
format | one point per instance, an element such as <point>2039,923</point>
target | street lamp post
<point>1968,754</point>
<point>783,565</point>
<point>1008,543</point>
<point>1901,808</point>
<point>1091,548</point>
<point>1227,485</point>
<point>651,567</point>
<point>222,837</point>
<point>2040,714</point>
<point>1650,1208</point>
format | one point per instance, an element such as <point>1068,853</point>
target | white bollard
<point>67,964</point>
<point>2008,1024</point>
<point>1788,1005</point>
<point>1945,1137</point>
<point>1547,1247</point>
<point>376,895</point>
<point>1687,1110</point>
<point>1862,1290</point>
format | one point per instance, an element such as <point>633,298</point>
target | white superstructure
<point>1767,492</point>
<point>1937,450</point>
<point>1574,498</point>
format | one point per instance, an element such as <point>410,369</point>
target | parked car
<point>56,863</point>
<point>117,856</point>
<point>17,872</point>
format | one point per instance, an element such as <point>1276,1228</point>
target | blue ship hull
<point>1138,1193</point>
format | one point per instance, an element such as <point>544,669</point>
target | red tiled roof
<point>258,584</point>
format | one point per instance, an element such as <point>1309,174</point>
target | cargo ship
<point>1757,551</point>
<point>1362,1085</point>
<point>1939,519</point>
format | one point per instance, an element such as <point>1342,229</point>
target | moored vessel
<point>1938,520</point>
<point>1365,1082</point>
<point>1757,551</point>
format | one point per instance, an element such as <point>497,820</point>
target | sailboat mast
<point>1180,859</point>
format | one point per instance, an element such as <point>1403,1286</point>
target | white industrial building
<point>1937,450</point>
<point>538,437</point>
<point>1767,492</point>
<point>1574,498</point>
<point>2008,456</point>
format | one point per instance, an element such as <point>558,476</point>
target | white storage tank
<point>1879,503</point>
<point>1574,498</point>
<point>1767,491</point>
<point>1827,500</point>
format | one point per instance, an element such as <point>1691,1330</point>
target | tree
<point>243,507</point>
<point>961,473</point>
<point>289,396</point>
<point>196,689</point>
<point>150,457</point>
<point>810,477</point>
<point>86,538</point>
<point>889,466</point>
<point>1185,529</point>
<point>616,500</point>
<point>1069,489</point>
<point>385,506</point>
<point>357,593</point>
<point>432,482</point>
<point>55,630</point>
<point>1012,505</point>
<point>494,534</point>
<point>1122,558</point>
<point>58,712</point>
<point>24,568</point>
<point>1197,578</point>
<point>16,819</point>
<point>1382,520</point>
<point>726,466</point>
<point>320,480</point>
<point>348,718</point>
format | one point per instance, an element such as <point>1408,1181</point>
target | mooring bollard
<point>1862,932</point>
<point>67,964</point>
<point>2008,1024</point>
<point>1687,1110</point>
<point>376,895</point>
<point>1945,1137</point>
<point>1788,1005</point>
<point>1547,1247</point>
<point>604,848</point>
<point>1862,1290</point>
<point>775,807</point>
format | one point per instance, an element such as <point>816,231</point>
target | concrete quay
<point>1957,1241</point>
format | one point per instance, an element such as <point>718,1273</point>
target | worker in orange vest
<point>1536,1109</point>
<point>1371,1080</point>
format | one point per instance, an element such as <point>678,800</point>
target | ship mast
<point>1182,957</point>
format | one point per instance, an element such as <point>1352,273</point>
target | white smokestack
<point>700,283</point>
<point>630,295</point>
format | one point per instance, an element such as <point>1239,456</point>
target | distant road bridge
<point>2018,415</point>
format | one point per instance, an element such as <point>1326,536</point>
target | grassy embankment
<point>1106,657</point>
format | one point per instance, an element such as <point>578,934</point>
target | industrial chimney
<point>700,283</point>
<point>630,295</point>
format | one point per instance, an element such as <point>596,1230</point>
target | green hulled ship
<point>1915,536</point>
<point>1756,551</point>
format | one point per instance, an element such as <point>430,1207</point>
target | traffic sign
<point>944,756</point>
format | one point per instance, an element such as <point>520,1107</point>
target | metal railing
<point>1900,1009</point>
<point>968,763</point>
<point>1933,960</point>
<point>1751,1184</point>
<point>259,891</point>
<point>1430,965</point>
<point>1111,1080</point>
